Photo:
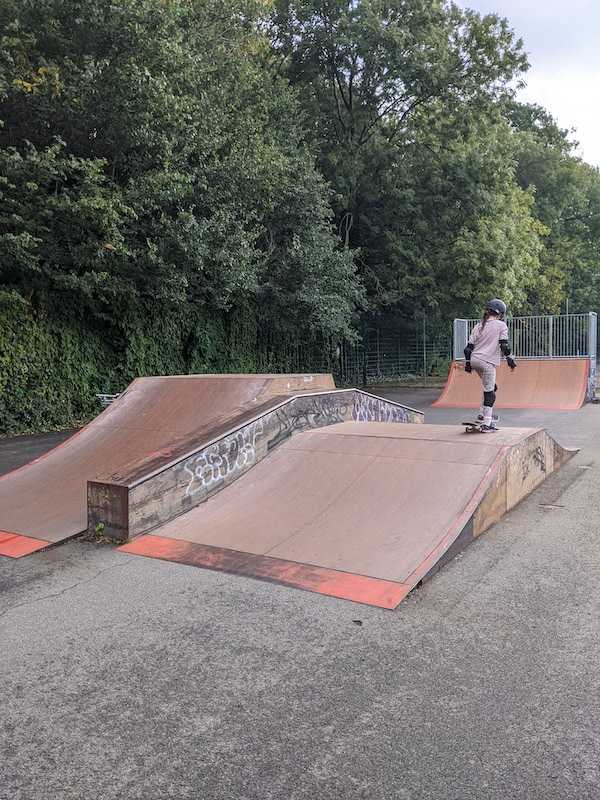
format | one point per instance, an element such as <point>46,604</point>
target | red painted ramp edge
<point>14,545</point>
<point>310,578</point>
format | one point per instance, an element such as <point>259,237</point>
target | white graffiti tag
<point>223,459</point>
<point>373,409</point>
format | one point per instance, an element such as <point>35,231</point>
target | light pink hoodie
<point>485,341</point>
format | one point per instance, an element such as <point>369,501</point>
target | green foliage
<point>59,225</point>
<point>52,365</point>
<point>405,94</point>
<point>236,185</point>
<point>156,162</point>
<point>567,202</point>
<point>49,370</point>
<point>449,190</point>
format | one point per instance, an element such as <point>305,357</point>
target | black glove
<point>511,362</point>
<point>468,367</point>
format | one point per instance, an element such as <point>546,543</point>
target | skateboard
<point>476,427</point>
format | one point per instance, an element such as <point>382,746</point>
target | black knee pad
<point>489,398</point>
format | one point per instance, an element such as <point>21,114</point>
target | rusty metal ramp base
<point>559,384</point>
<point>359,511</point>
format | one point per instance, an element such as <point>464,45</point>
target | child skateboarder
<point>487,345</point>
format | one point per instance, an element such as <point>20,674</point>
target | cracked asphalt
<point>125,678</point>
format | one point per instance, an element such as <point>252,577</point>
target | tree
<point>566,195</point>
<point>380,80</point>
<point>175,170</point>
<point>452,226</point>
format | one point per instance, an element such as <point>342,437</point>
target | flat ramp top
<point>558,384</point>
<point>47,500</point>
<point>368,500</point>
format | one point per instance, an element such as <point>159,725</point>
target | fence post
<point>424,349</point>
<point>550,335</point>
<point>459,338</point>
<point>592,345</point>
<point>365,348</point>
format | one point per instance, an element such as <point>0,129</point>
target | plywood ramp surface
<point>46,499</point>
<point>558,384</point>
<point>383,502</point>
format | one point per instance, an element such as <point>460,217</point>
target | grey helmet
<point>497,306</point>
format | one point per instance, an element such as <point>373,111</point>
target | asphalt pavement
<point>18,450</point>
<point>124,678</point>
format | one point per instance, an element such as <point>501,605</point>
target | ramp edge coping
<point>17,545</point>
<point>340,584</point>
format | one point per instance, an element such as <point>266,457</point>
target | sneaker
<point>488,428</point>
<point>480,418</point>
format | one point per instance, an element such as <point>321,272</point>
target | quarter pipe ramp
<point>559,384</point>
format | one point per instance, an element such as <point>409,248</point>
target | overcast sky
<point>562,40</point>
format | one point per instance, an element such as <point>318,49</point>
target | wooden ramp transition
<point>560,384</point>
<point>362,512</point>
<point>168,429</point>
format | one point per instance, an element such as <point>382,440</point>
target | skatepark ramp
<point>196,433</point>
<point>357,511</point>
<point>556,364</point>
<point>557,384</point>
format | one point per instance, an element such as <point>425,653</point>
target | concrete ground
<point>125,678</point>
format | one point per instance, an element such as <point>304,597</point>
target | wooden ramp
<point>165,445</point>
<point>359,511</point>
<point>558,384</point>
<point>46,501</point>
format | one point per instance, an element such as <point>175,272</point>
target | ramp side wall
<point>519,472</point>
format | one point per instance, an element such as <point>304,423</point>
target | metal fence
<point>386,356</point>
<point>543,337</point>
<point>561,336</point>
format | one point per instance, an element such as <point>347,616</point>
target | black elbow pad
<point>505,347</point>
<point>467,351</point>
